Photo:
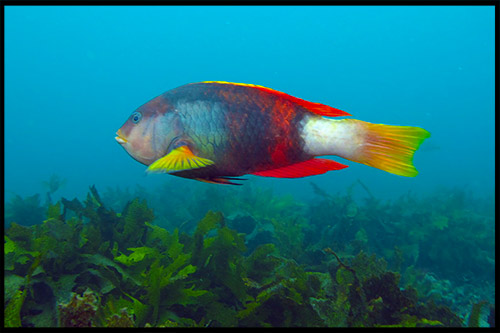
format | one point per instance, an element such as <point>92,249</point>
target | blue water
<point>74,74</point>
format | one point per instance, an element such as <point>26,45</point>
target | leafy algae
<point>84,264</point>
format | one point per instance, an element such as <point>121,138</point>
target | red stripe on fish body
<point>240,128</point>
<point>271,128</point>
<point>284,119</point>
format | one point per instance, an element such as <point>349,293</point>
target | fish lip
<point>121,140</point>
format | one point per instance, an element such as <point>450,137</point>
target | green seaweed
<point>133,228</point>
<point>475,313</point>
<point>24,211</point>
<point>54,183</point>
<point>136,269</point>
<point>120,319</point>
<point>12,313</point>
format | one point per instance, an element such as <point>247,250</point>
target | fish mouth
<point>119,138</point>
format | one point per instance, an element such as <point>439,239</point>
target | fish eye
<point>136,117</point>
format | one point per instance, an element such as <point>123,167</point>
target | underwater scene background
<point>90,240</point>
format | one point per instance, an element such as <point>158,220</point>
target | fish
<point>217,131</point>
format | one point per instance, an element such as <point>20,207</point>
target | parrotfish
<point>217,131</point>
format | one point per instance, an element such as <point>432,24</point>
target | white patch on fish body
<point>323,136</point>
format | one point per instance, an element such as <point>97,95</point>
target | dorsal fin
<point>314,166</point>
<point>321,109</point>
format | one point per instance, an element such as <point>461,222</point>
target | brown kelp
<point>260,260</point>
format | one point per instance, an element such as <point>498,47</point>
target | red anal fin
<point>318,108</point>
<point>314,166</point>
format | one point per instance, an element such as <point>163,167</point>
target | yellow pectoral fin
<point>181,158</point>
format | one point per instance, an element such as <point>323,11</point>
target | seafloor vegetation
<point>226,257</point>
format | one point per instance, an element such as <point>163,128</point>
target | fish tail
<point>388,147</point>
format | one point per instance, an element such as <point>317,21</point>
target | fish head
<point>148,133</point>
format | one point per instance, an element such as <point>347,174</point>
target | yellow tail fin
<point>391,148</point>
